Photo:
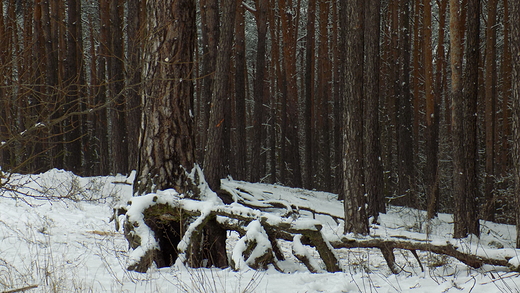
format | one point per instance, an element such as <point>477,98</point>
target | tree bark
<point>515,104</point>
<point>216,162</point>
<point>135,21</point>
<point>116,80</point>
<point>470,98</point>
<point>210,20</point>
<point>405,165</point>
<point>490,105</point>
<point>432,118</point>
<point>240,94</point>
<point>166,149</point>
<point>310,64</point>
<point>352,21</point>
<point>291,155</point>
<point>372,135</point>
<point>459,183</point>
<point>257,155</point>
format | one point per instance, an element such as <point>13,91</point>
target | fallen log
<point>387,245</point>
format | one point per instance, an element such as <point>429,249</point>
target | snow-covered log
<point>475,259</point>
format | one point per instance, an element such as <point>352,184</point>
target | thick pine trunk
<point>166,149</point>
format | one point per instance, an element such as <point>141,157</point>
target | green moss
<point>165,213</point>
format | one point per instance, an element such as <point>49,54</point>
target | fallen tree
<point>165,227</point>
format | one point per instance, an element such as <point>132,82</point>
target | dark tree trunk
<point>118,132</point>
<point>457,119</point>
<point>210,38</point>
<point>73,79</point>
<point>289,34</point>
<point>352,21</point>
<point>372,145</point>
<point>323,93</point>
<point>240,95</point>
<point>515,104</point>
<point>133,98</point>
<point>470,97</point>
<point>490,105</point>
<point>216,159</point>
<point>432,183</point>
<point>404,112</point>
<point>432,118</point>
<point>309,96</point>
<point>101,131</point>
<point>166,149</point>
<point>257,156</point>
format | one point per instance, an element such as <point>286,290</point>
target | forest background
<point>431,92</point>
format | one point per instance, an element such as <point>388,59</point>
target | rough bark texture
<point>216,163</point>
<point>257,156</point>
<point>352,20</point>
<point>490,105</point>
<point>472,260</point>
<point>209,35</point>
<point>459,183</point>
<point>310,64</point>
<point>166,149</point>
<point>240,95</point>
<point>515,54</point>
<point>405,165</point>
<point>470,98</point>
<point>372,144</point>
<point>116,85</point>
<point>433,135</point>
<point>291,153</point>
<point>133,98</point>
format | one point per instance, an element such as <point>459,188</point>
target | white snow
<point>55,232</point>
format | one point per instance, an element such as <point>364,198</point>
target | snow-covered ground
<point>61,239</point>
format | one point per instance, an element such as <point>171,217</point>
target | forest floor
<point>56,236</point>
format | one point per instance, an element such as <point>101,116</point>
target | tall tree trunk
<point>216,161</point>
<point>505,161</point>
<point>404,111</point>
<point>166,149</point>
<point>352,21</point>
<point>210,37</point>
<point>133,111</point>
<point>372,135</point>
<point>515,104</point>
<point>490,102</point>
<point>101,95</point>
<point>459,182</point>
<point>310,64</point>
<point>118,131</point>
<point>323,94</point>
<point>470,92</point>
<point>291,156</point>
<point>240,94</point>
<point>432,164</point>
<point>73,80</point>
<point>432,118</point>
<point>257,155</point>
